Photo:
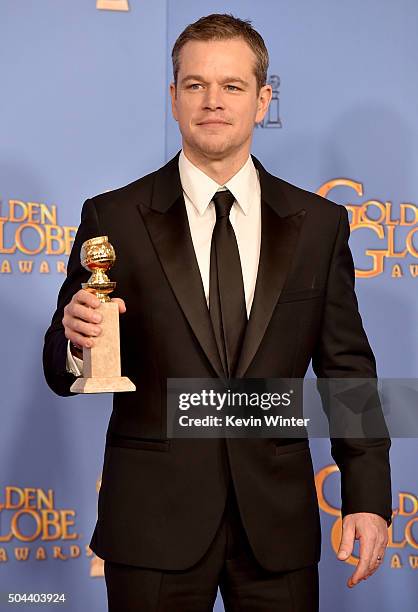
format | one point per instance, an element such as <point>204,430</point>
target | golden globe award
<point>101,363</point>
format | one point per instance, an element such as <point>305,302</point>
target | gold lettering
<point>22,553</point>
<point>391,244</point>
<point>25,266</point>
<point>395,562</point>
<point>51,518</point>
<point>40,554</point>
<point>4,249</point>
<point>33,209</point>
<point>29,498</point>
<point>14,524</point>
<point>16,204</point>
<point>326,187</point>
<point>5,267</point>
<point>413,561</point>
<point>112,5</point>
<point>377,255</point>
<point>404,500</point>
<point>391,541</point>
<point>54,234</point>
<point>61,267</point>
<point>409,244</point>
<point>5,538</point>
<point>75,551</point>
<point>355,214</point>
<point>48,214</point>
<point>409,534</point>
<point>45,498</point>
<point>19,239</point>
<point>403,216</point>
<point>3,218</point>
<point>388,216</point>
<point>378,258</point>
<point>57,553</point>
<point>67,523</point>
<point>413,268</point>
<point>44,267</point>
<point>3,555</point>
<point>320,479</point>
<point>69,235</point>
<point>9,492</point>
<point>396,271</point>
<point>364,209</point>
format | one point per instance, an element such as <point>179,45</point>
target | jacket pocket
<point>293,295</point>
<point>150,444</point>
<point>291,447</point>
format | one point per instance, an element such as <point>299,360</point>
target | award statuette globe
<point>101,363</point>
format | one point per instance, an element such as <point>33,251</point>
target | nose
<point>213,99</point>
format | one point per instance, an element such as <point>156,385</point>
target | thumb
<point>121,304</point>
<point>347,541</point>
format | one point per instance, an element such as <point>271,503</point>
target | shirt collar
<point>200,188</point>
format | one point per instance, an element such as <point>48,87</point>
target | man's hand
<point>81,319</point>
<point>372,532</point>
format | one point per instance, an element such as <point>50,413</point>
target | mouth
<point>212,124</point>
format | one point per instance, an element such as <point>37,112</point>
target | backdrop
<point>84,109</point>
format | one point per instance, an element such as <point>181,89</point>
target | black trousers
<point>228,563</point>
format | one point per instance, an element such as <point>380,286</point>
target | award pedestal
<point>101,363</point>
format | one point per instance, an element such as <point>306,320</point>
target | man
<point>179,517</point>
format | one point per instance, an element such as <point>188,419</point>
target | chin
<point>213,149</point>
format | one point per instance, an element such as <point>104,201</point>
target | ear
<point>173,94</point>
<point>264,98</point>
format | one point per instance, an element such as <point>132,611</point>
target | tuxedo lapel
<point>278,241</point>
<point>168,227</point>
<point>280,227</point>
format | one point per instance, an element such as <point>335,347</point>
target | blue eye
<point>233,87</point>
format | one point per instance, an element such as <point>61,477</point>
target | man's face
<point>216,102</point>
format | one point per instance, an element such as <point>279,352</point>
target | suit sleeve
<point>55,343</point>
<point>343,351</point>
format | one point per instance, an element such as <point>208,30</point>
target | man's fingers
<point>377,556</point>
<point>121,304</point>
<point>85,329</point>
<point>366,551</point>
<point>371,530</point>
<point>347,540</point>
<point>79,340</point>
<point>85,313</point>
<point>87,298</point>
<point>81,318</point>
<point>380,541</point>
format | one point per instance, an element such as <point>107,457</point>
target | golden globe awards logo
<point>397,233</point>
<point>112,5</point>
<point>29,231</point>
<point>32,527</point>
<point>402,546</point>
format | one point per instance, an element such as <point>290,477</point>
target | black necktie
<point>226,288</point>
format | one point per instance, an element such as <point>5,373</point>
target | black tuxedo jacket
<point>161,499</point>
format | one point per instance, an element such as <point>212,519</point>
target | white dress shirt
<point>245,217</point>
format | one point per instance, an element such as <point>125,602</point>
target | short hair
<point>224,27</point>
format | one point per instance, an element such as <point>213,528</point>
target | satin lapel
<point>279,236</point>
<point>170,234</point>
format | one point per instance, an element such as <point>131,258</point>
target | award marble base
<point>101,363</point>
<point>102,385</point>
